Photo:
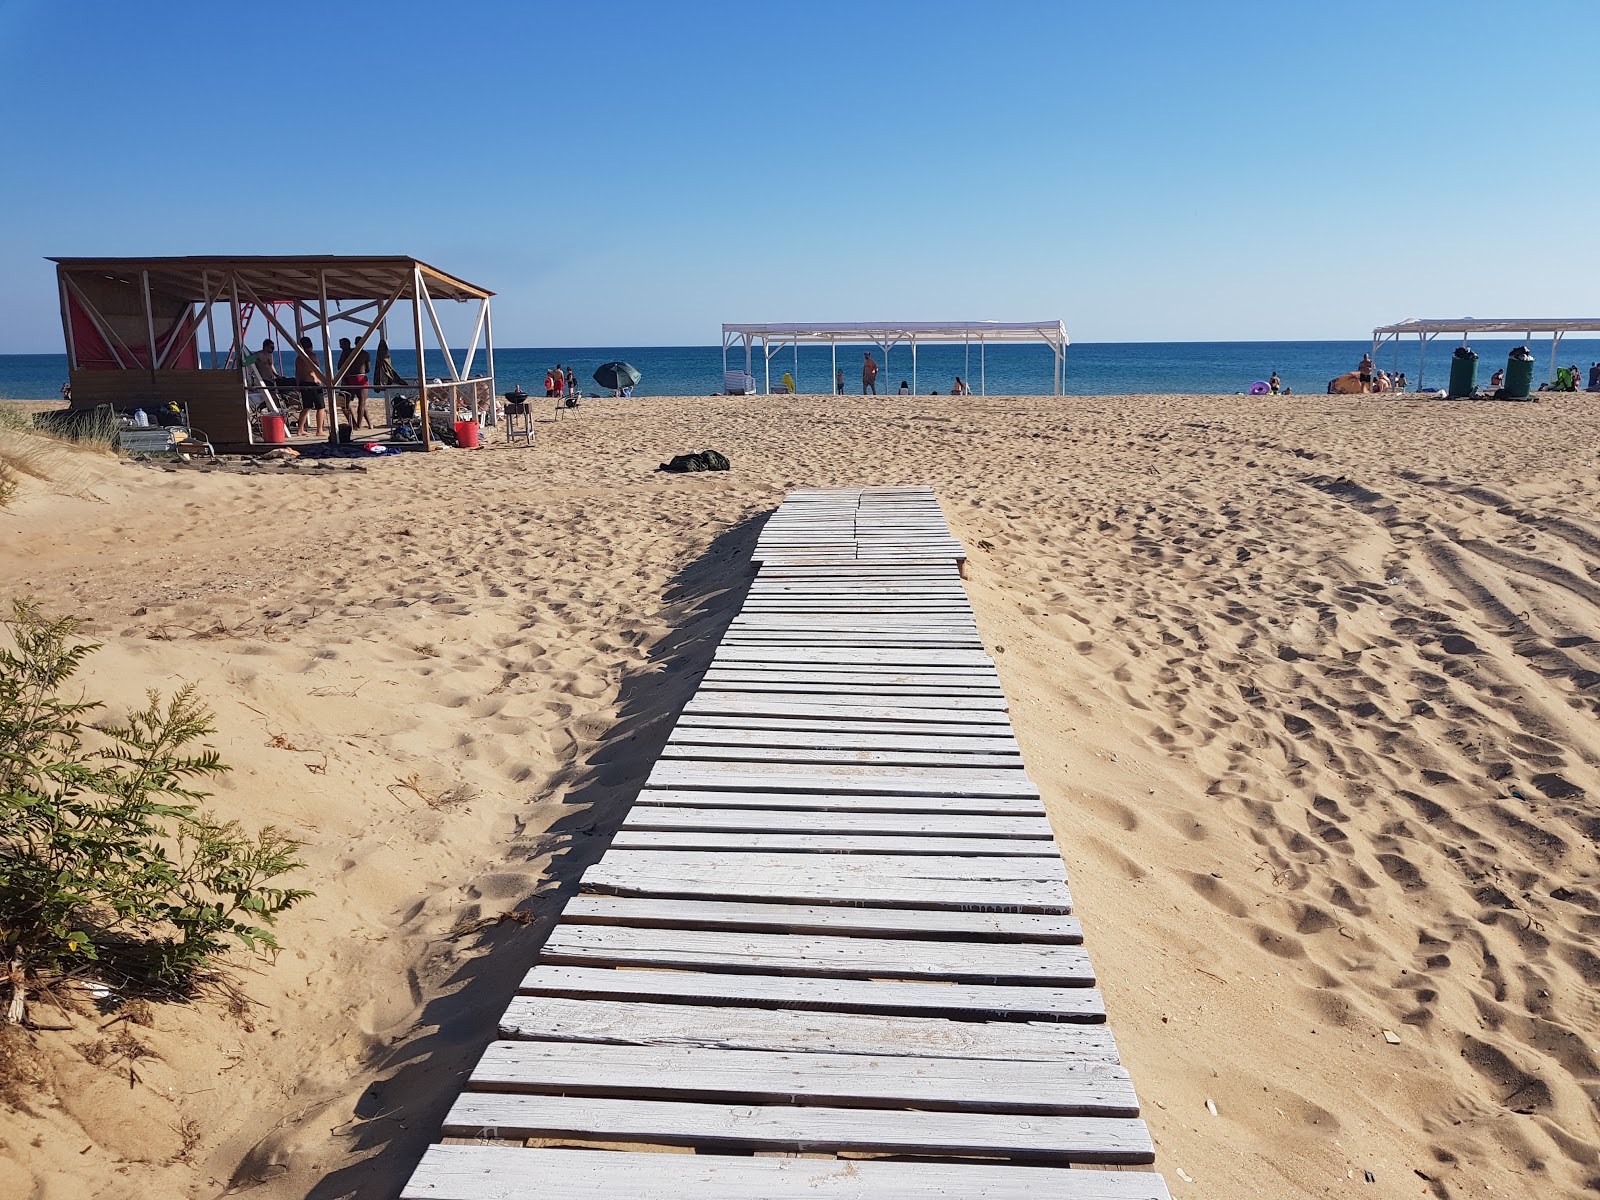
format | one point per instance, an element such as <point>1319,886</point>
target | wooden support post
<point>422,367</point>
<point>488,355</point>
<point>211,331</point>
<point>66,321</point>
<point>149,323</point>
<point>330,401</point>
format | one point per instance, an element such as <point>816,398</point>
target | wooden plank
<point>899,708</point>
<point>964,679</point>
<point>497,1172</point>
<point>1009,886</point>
<point>949,732</point>
<point>825,843</point>
<point>746,952</point>
<point>1071,1088</point>
<point>785,777</point>
<point>802,1129</point>
<point>732,753</point>
<point>847,737</point>
<point>760,820</point>
<point>844,691</point>
<point>642,1023</point>
<point>963,1001</point>
<point>836,920</point>
<point>841,802</point>
<point>955,661</point>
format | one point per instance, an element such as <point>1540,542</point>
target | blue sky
<point>637,173</point>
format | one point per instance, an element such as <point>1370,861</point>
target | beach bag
<point>705,460</point>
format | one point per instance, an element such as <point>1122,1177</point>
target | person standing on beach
<point>869,374</point>
<point>838,382</point>
<point>1274,385</point>
<point>1364,371</point>
<point>309,380</point>
<point>572,383</point>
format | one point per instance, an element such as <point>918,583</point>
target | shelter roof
<point>282,277</point>
<point>1054,332</point>
<point>1420,325</point>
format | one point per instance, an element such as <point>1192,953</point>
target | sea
<point>1093,368</point>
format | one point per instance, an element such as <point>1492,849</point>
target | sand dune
<point>1309,684</point>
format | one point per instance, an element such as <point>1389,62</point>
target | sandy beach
<point>1309,685</point>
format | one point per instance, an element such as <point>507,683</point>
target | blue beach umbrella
<point>614,376</point>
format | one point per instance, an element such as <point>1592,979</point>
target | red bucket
<point>467,435</point>
<point>273,428</point>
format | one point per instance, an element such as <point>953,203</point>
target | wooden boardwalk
<point>831,951</point>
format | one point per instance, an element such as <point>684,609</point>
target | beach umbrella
<point>614,376</point>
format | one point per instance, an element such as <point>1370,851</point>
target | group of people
<point>354,373</point>
<point>1375,379</point>
<point>869,380</point>
<point>560,383</point>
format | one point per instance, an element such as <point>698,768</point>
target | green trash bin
<point>1463,373</point>
<point>1519,374</point>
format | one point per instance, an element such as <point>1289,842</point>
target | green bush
<point>104,851</point>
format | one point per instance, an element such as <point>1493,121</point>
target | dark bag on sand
<point>705,460</point>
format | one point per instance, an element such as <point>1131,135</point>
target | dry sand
<point>1310,686</point>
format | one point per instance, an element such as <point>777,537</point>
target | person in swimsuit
<point>308,378</point>
<point>1364,371</point>
<point>1273,384</point>
<point>838,382</point>
<point>869,374</point>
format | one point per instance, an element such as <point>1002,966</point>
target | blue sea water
<point>1093,368</point>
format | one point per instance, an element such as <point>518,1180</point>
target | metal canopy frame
<point>261,284</point>
<point>774,336</point>
<point>1426,329</point>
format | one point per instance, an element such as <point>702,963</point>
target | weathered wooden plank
<point>900,679</point>
<point>784,777</point>
<point>841,802</point>
<point>898,708</point>
<point>967,661</point>
<point>1072,1088</point>
<point>490,1172</point>
<point>824,843</point>
<point>858,737</point>
<point>964,1001</point>
<point>990,884</point>
<point>796,1129</point>
<point>841,692</point>
<point>995,727</point>
<point>747,952</point>
<point>711,752</point>
<point>836,920</point>
<point>644,1023</point>
<point>764,820</point>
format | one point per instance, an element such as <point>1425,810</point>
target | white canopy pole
<point>833,375</point>
<point>983,377</point>
<point>913,366</point>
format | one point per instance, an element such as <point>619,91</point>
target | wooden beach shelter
<point>1425,329</point>
<point>774,336</point>
<point>133,329</point>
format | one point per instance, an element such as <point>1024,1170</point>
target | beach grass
<point>56,457</point>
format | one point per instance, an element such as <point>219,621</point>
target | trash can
<point>274,431</point>
<point>467,435</point>
<point>1463,373</point>
<point>1519,374</point>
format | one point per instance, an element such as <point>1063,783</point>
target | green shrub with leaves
<point>105,852</point>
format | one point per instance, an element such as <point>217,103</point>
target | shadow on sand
<point>395,1119</point>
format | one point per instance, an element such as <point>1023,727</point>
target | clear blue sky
<point>637,173</point>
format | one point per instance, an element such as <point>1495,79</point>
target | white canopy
<point>1426,329</point>
<point>774,336</point>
